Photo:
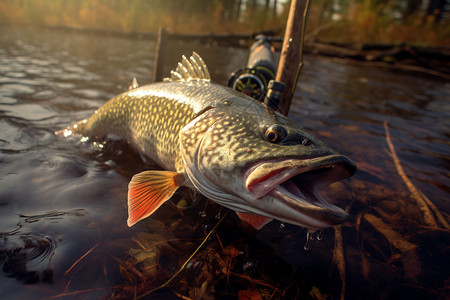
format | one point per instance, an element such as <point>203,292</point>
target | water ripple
<point>22,254</point>
<point>26,254</point>
<point>54,215</point>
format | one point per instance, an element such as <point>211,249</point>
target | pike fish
<point>229,147</point>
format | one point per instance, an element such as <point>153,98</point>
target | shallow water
<point>62,201</point>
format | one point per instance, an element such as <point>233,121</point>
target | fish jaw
<point>287,190</point>
<point>227,159</point>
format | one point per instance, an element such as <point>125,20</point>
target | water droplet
<point>319,236</point>
<point>67,133</point>
<point>202,213</point>
<point>308,239</point>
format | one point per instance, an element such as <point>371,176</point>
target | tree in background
<point>349,21</point>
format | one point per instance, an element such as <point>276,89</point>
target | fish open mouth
<point>295,184</point>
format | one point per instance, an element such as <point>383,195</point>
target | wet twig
<point>338,257</point>
<point>425,205</point>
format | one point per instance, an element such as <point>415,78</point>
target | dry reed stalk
<point>80,259</point>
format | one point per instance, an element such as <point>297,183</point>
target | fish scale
<point>142,117</point>
<point>215,140</point>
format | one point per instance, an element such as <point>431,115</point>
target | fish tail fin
<point>148,190</point>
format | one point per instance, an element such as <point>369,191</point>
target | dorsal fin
<point>134,84</point>
<point>190,70</point>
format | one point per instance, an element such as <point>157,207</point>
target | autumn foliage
<point>417,22</point>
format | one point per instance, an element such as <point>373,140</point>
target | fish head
<point>257,161</point>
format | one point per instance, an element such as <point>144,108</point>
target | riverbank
<point>433,61</point>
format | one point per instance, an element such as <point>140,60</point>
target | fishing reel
<point>251,81</point>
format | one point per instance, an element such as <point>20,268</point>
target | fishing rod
<point>259,79</point>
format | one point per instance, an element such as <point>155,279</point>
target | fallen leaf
<point>231,251</point>
<point>365,266</point>
<point>250,294</point>
<point>410,261</point>
<point>316,294</point>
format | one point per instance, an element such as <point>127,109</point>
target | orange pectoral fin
<point>148,190</point>
<point>256,221</point>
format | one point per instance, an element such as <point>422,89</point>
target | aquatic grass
<point>185,263</point>
<point>74,293</point>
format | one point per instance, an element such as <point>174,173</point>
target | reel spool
<point>254,78</point>
<point>251,81</point>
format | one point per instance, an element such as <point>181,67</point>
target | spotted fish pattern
<point>228,146</point>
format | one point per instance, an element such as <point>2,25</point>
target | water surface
<point>62,201</point>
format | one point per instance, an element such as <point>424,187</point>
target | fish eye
<point>275,134</point>
<point>272,135</point>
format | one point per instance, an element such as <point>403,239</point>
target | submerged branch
<point>425,204</point>
<point>338,257</point>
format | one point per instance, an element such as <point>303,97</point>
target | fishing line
<point>187,261</point>
<point>302,40</point>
